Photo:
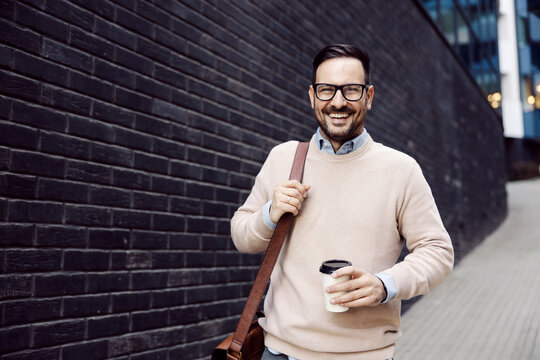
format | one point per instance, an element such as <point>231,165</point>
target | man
<point>360,201</point>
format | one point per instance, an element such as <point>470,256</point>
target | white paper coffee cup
<point>326,270</point>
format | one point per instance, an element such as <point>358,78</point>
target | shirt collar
<point>348,147</point>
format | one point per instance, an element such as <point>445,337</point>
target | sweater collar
<point>348,147</point>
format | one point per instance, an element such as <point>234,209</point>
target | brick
<point>18,37</point>
<point>138,260</point>
<point>186,206</point>
<point>60,236</point>
<point>171,77</point>
<point>115,33</point>
<point>110,196</point>
<point>38,68</point>
<point>43,354</point>
<point>16,186</point>
<point>201,191</point>
<point>92,173</point>
<point>15,286</point>
<point>152,125</point>
<point>133,139</point>
<point>186,170</point>
<point>215,176</point>
<point>70,13</point>
<point>167,298</point>
<point>56,285</point>
<point>153,50</point>
<point>108,282</point>
<point>146,320</point>
<point>133,61</point>
<point>110,154</point>
<point>109,239</point>
<point>16,234</point>
<point>58,333</point>
<point>66,55</point>
<point>105,10</point>
<point>94,350</point>
<point>112,114</point>
<point>33,260</point>
<point>184,277</point>
<point>59,144</point>
<point>14,338</point>
<point>207,259</point>
<point>50,189</point>
<point>134,22</point>
<point>27,311</point>
<point>131,179</point>
<point>132,219</point>
<point>131,301</point>
<point>39,212</point>
<point>170,149</point>
<point>142,280</point>
<point>168,222</point>
<point>39,117</point>
<point>37,164</point>
<point>148,240</point>
<point>184,241</point>
<point>105,326</point>
<point>150,163</point>
<point>92,44</point>
<point>200,225</point>
<point>152,355</point>
<point>19,87</point>
<point>40,22</point>
<point>88,215</point>
<point>129,343</point>
<point>168,185</point>
<point>167,260</point>
<point>149,201</point>
<point>133,100</point>
<point>66,100</point>
<point>91,86</point>
<point>168,110</point>
<point>91,305</point>
<point>85,260</point>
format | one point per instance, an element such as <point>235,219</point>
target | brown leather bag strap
<point>269,260</point>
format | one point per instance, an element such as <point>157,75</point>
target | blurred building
<point>499,44</point>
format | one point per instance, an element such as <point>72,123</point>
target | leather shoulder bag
<point>247,342</point>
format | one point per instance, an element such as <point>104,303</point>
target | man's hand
<point>364,288</point>
<point>288,197</point>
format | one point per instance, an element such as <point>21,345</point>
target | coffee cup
<point>326,270</point>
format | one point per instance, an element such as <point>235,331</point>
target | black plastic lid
<point>329,266</point>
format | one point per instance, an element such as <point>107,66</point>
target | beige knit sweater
<point>361,207</point>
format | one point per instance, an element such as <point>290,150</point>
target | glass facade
<point>470,26</point>
<point>528,34</point>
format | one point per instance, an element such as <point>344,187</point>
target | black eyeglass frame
<point>340,88</point>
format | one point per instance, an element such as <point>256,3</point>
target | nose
<point>338,100</point>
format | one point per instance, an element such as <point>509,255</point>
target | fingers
<point>288,197</point>
<point>363,288</point>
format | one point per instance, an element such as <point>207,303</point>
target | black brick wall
<point>131,130</point>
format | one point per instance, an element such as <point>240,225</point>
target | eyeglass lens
<point>352,92</point>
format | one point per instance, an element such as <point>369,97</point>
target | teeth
<point>339,115</point>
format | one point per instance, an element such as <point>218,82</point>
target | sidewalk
<point>489,307</point>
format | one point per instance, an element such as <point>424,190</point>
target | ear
<point>311,96</point>
<point>369,98</point>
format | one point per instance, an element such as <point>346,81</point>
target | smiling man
<point>365,201</point>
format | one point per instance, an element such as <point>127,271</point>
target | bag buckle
<point>233,355</point>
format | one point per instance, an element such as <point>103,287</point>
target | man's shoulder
<point>394,156</point>
<point>284,149</point>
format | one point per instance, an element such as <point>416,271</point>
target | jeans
<point>267,355</point>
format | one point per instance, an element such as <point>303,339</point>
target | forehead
<point>340,71</point>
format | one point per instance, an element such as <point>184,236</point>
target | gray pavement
<point>489,307</point>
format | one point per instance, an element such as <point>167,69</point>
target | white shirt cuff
<point>266,215</point>
<point>389,284</point>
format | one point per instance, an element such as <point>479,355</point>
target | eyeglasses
<point>351,92</point>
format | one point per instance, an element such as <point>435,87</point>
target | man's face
<point>341,120</point>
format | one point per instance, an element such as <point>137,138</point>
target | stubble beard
<point>343,133</point>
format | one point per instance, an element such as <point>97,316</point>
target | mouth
<point>338,118</point>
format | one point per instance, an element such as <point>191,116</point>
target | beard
<point>343,133</point>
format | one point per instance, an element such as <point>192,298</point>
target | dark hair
<point>339,51</point>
